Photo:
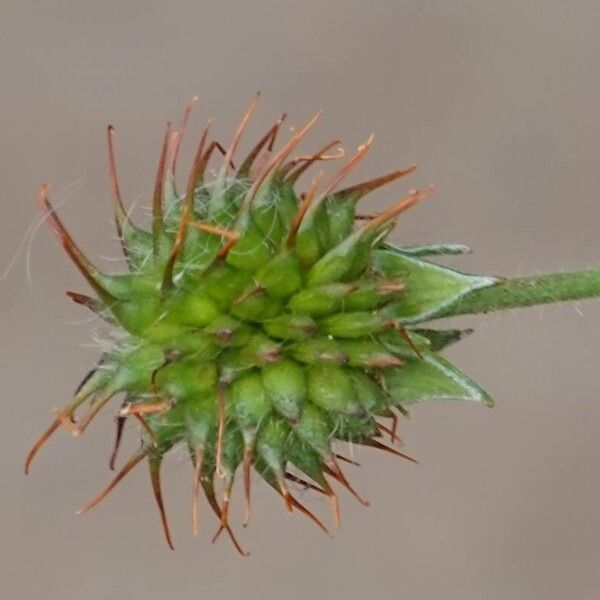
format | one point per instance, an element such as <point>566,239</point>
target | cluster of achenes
<point>260,326</point>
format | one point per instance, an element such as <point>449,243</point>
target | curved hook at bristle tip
<point>39,443</point>
<point>80,398</point>
<point>366,145</point>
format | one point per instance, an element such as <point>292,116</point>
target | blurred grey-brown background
<point>498,104</point>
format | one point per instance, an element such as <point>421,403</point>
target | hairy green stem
<point>528,291</point>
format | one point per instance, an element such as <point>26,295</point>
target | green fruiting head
<point>259,326</point>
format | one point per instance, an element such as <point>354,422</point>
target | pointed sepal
<point>430,288</point>
<point>432,378</point>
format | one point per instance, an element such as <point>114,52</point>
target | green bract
<point>258,326</point>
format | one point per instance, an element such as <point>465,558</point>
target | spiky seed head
<point>260,326</point>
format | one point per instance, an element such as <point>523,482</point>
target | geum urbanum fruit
<point>260,326</point>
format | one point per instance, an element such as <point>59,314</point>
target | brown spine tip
<point>391,432</point>
<point>80,398</point>
<point>283,490</point>
<point>294,169</point>
<point>236,544</point>
<point>125,470</point>
<point>326,490</point>
<point>334,470</point>
<point>155,464</point>
<point>39,443</point>
<point>394,433</point>
<point>81,262</point>
<point>96,306</point>
<point>224,525</point>
<point>379,446</point>
<point>159,185</point>
<point>391,213</point>
<point>307,485</point>
<point>247,470</point>
<point>237,136</point>
<point>233,539</point>
<point>335,504</point>
<point>187,111</point>
<point>209,492</point>
<point>347,460</point>
<point>362,189</point>
<point>119,427</point>
<point>267,140</point>
<point>92,304</point>
<point>115,189</point>
<point>300,507</point>
<point>221,430</point>
<point>198,462</point>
